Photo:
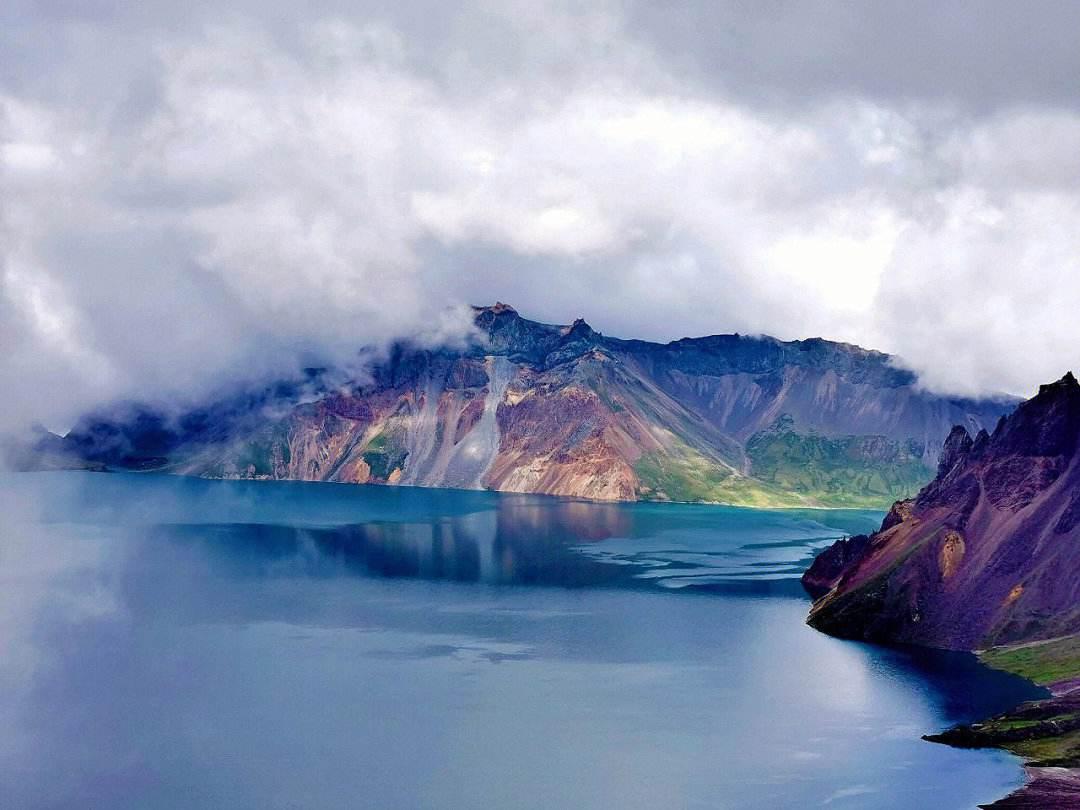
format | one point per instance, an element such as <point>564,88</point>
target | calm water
<point>171,642</point>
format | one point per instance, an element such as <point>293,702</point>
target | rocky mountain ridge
<point>565,410</point>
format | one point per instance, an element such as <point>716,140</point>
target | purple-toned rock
<point>827,568</point>
<point>1049,789</point>
<point>989,551</point>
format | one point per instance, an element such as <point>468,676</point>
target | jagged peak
<point>1060,393</point>
<point>1000,426</point>
<point>1066,384</point>
<point>956,447</point>
<point>498,308</point>
<point>579,328</point>
<point>959,433</point>
<point>1045,425</point>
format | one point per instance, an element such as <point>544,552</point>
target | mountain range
<point>565,410</point>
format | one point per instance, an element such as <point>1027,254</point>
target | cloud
<point>997,54</point>
<point>985,297</point>
<point>191,197</point>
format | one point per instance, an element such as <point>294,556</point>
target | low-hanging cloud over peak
<point>189,195</point>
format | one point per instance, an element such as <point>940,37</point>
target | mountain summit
<point>566,410</point>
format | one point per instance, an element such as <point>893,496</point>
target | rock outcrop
<point>532,407</point>
<point>988,553</point>
<point>831,564</point>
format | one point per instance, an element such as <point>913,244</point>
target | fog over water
<point>175,642</point>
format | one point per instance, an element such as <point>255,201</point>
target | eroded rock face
<point>988,553</point>
<point>565,410</point>
<point>830,565</point>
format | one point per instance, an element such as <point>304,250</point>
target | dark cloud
<point>980,56</point>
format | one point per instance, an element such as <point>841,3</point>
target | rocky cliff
<point>988,553</point>
<point>531,407</point>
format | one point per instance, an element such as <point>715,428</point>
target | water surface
<point>172,642</point>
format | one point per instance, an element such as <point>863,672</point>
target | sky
<point>194,194</point>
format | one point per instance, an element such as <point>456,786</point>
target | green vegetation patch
<point>1046,732</point>
<point>683,474</point>
<point>1057,751</point>
<point>386,451</point>
<point>1044,662</point>
<point>261,455</point>
<point>849,471</point>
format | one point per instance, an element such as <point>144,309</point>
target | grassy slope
<point>1046,732</point>
<point>789,469</point>
<point>844,471</point>
<point>386,451</point>
<point>683,474</point>
<point>1044,662</point>
<point>253,456</point>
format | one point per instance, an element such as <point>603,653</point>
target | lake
<point>174,643</point>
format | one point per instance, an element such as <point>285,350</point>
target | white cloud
<point>232,195</point>
<point>28,158</point>
<point>985,298</point>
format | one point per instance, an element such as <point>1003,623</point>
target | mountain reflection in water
<point>172,642</point>
<point>525,540</point>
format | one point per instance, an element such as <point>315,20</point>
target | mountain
<point>988,553</point>
<point>565,410</point>
<point>985,558</point>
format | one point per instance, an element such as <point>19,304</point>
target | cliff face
<point>533,407</point>
<point>986,554</point>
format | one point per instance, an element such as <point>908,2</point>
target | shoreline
<point>1045,733</point>
<point>1045,789</point>
<point>883,509</point>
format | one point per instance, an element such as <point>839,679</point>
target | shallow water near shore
<point>172,642</point>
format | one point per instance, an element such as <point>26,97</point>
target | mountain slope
<point>531,407</point>
<point>988,553</point>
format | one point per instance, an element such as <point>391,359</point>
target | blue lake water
<point>175,643</point>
